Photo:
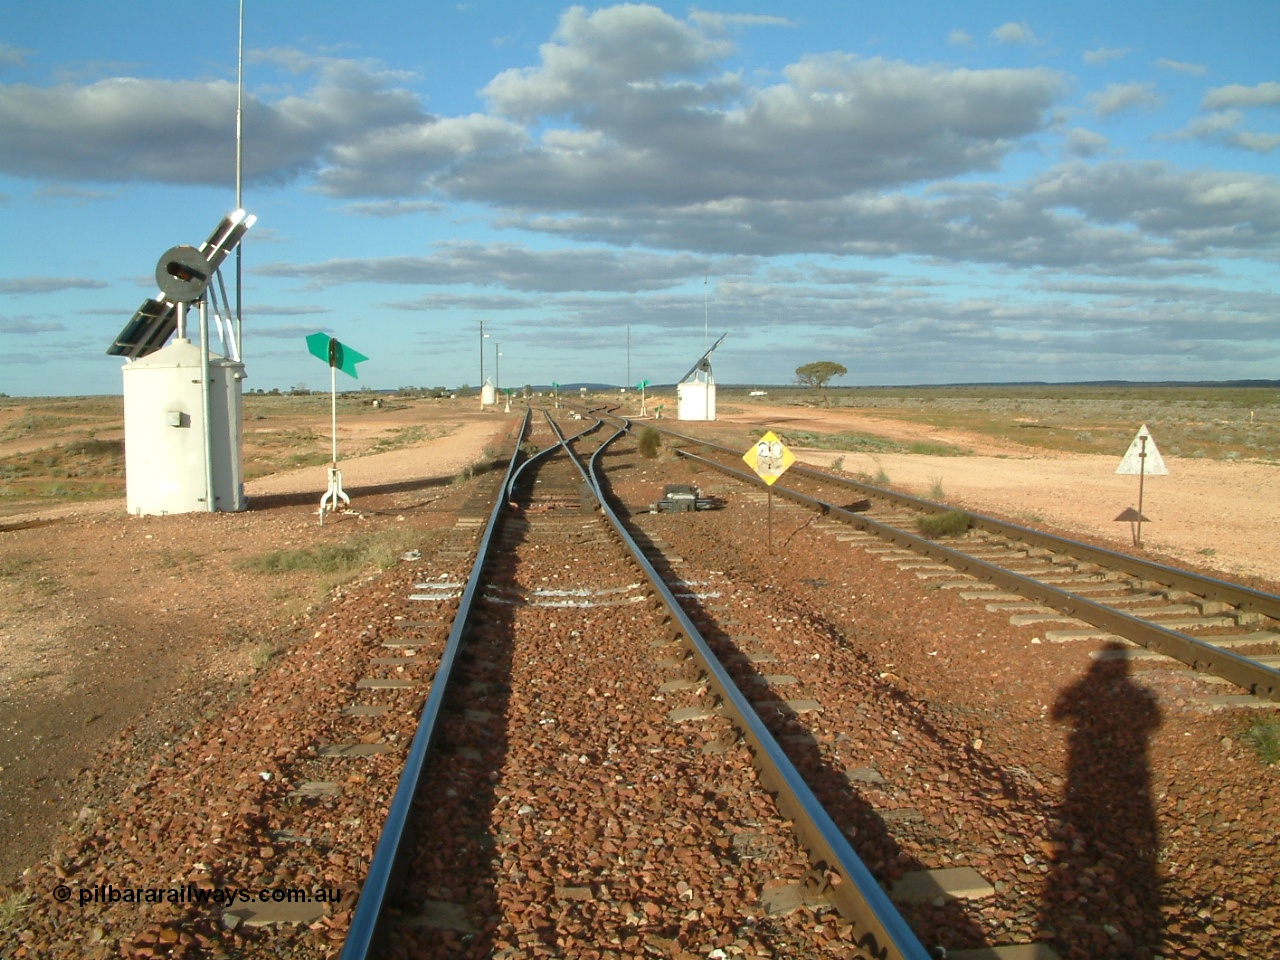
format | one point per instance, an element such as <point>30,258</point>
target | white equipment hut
<point>183,403</point>
<point>696,390</point>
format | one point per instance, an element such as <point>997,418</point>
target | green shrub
<point>1265,740</point>
<point>347,559</point>
<point>649,443</point>
<point>953,523</point>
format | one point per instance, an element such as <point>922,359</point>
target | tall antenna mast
<point>628,354</point>
<point>705,311</point>
<point>239,175</point>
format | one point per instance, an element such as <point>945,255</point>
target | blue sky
<point>923,192</point>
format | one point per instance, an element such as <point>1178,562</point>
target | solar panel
<point>147,332</point>
<point>157,319</point>
<point>704,361</point>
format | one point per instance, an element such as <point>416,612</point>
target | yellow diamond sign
<point>769,458</point>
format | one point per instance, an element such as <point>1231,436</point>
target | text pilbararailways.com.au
<point>109,893</point>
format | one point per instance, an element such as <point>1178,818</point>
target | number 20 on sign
<point>769,458</point>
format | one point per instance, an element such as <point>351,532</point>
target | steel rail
<point>509,490</point>
<point>838,873</point>
<point>1238,595</point>
<point>1260,680</point>
<point>363,936</point>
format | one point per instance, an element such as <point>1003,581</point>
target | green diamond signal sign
<point>337,355</point>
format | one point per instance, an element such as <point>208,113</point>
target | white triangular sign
<point>1135,462</point>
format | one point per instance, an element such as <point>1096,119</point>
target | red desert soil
<point>117,626</point>
<point>1213,514</point>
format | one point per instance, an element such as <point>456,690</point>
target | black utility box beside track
<point>681,498</point>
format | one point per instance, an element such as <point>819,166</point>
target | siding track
<point>1228,630</point>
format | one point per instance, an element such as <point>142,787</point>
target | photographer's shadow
<point>1102,896</point>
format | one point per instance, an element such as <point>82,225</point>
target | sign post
<point>770,459</point>
<point>640,386</point>
<point>1141,458</point>
<point>339,357</point>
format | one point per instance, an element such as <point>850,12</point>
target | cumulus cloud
<point>604,51</point>
<point>181,131</point>
<point>627,107</point>
<point>1226,128</point>
<point>79,196</point>
<point>389,209</point>
<point>21,326</point>
<point>26,285</point>
<point>720,21</point>
<point>285,332</point>
<point>1263,95</point>
<point>1014,33</point>
<point>1178,66</point>
<point>291,310</point>
<point>631,110</point>
<point>407,159</point>
<point>465,301</point>
<point>508,265</point>
<point>1224,121</point>
<point>834,123</point>
<point>1123,96</point>
<point>629,131</point>
<point>959,38</point>
<point>1086,143</point>
<point>1143,218</point>
<point>11,56</point>
<point>1105,54</point>
<point>1195,213</point>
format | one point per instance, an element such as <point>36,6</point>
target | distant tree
<point>818,374</point>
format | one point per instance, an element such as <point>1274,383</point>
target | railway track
<point>608,772</point>
<point>598,784</point>
<point>1080,592</point>
<point>625,746</point>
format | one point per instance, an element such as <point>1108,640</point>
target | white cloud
<point>627,131</point>
<point>719,21</point>
<point>11,56</point>
<point>1178,66</point>
<point>23,327</point>
<point>603,51</point>
<point>1213,125</point>
<point>1255,142</point>
<point>1197,212</point>
<point>1143,219</point>
<point>1105,54</point>
<point>178,131</point>
<point>388,209</point>
<point>30,285</point>
<point>1086,143</point>
<point>1014,33</point>
<point>1226,128</point>
<point>79,196</point>
<point>287,332</point>
<point>835,123</point>
<point>959,38</point>
<point>403,160</point>
<point>505,265</point>
<point>1123,96</point>
<point>1263,95</point>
